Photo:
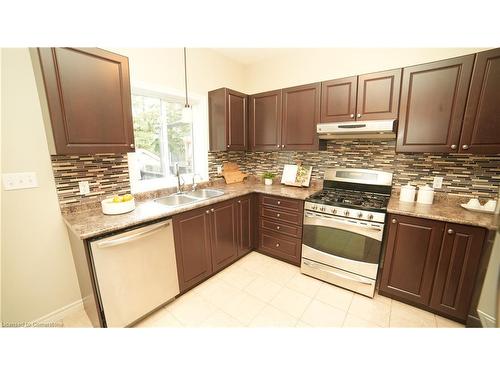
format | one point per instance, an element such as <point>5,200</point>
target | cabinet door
<point>456,270</point>
<point>223,234</point>
<point>237,113</point>
<point>338,99</point>
<point>192,247</point>
<point>480,133</point>
<point>301,106</point>
<point>411,256</point>
<point>88,95</point>
<point>265,121</point>
<point>432,106</point>
<point>378,95</point>
<point>245,216</point>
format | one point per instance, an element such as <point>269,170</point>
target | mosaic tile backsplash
<point>107,175</point>
<point>464,174</point>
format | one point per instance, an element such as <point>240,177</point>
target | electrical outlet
<point>219,169</point>
<point>84,187</point>
<point>23,180</point>
<point>437,183</point>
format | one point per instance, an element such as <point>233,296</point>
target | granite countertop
<point>92,222</point>
<point>445,208</point>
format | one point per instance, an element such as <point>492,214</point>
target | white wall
<point>38,275</point>
<point>302,65</point>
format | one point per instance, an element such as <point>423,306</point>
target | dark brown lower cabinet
<point>432,264</point>
<point>456,270</point>
<point>192,247</point>
<point>224,234</point>
<point>210,238</point>
<point>245,213</point>
<point>411,257</point>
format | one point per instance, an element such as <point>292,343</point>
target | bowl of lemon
<point>119,204</point>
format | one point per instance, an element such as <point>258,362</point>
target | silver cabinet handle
<point>239,202</point>
<point>278,146</point>
<point>359,115</point>
<point>278,215</point>
<point>132,145</point>
<point>282,146</point>
<point>451,231</point>
<point>278,227</point>
<point>207,212</point>
<point>151,229</point>
<point>212,210</point>
<point>465,147</point>
<point>277,244</point>
<point>352,115</point>
<point>453,147</point>
<point>394,221</point>
<point>279,202</point>
<point>227,146</point>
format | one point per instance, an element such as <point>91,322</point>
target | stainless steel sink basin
<point>176,200</point>
<point>205,193</point>
<point>190,197</point>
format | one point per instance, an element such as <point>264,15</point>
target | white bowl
<point>111,208</point>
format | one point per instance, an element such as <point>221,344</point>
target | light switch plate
<point>437,183</point>
<point>16,181</point>
<point>84,187</point>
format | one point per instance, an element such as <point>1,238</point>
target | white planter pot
<point>268,181</point>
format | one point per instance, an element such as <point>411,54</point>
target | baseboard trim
<point>59,314</point>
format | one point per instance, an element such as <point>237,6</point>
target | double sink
<point>180,199</point>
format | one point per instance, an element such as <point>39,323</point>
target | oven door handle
<point>350,225</point>
<point>352,278</point>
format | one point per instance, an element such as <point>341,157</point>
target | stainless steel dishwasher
<point>135,272</point>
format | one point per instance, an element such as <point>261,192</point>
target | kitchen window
<point>162,141</point>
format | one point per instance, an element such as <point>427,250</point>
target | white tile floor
<point>259,291</point>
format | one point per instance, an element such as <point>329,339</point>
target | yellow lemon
<point>128,197</point>
<point>117,199</point>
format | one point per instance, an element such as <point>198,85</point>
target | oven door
<point>349,244</point>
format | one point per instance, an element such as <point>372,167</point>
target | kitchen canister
<point>425,194</point>
<point>407,193</point>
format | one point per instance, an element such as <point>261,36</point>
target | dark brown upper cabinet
<point>265,121</point>
<point>411,258</point>
<point>88,99</point>
<point>456,270</point>
<point>481,127</point>
<point>228,119</point>
<point>338,99</point>
<point>301,108</point>
<point>378,95</point>
<point>433,98</point>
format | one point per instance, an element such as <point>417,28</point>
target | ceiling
<point>247,56</point>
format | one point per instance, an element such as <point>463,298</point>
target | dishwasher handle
<point>146,231</point>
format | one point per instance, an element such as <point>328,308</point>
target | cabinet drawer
<point>278,227</point>
<point>285,203</point>
<point>283,247</point>
<point>281,215</point>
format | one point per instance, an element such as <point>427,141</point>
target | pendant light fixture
<point>187,114</point>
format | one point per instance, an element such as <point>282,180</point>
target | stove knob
<point>346,213</point>
<point>360,215</point>
<point>370,217</point>
<point>334,211</point>
<point>322,208</point>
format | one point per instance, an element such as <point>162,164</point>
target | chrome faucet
<point>178,175</point>
<point>195,185</point>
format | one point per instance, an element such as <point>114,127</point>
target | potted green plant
<point>268,177</point>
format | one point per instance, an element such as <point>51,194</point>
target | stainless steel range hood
<point>375,129</point>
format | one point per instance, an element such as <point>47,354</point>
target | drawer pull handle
<point>279,202</point>
<point>451,231</point>
<point>212,210</point>
<point>207,212</point>
<point>277,215</point>
<point>277,244</point>
<point>278,227</point>
<point>394,221</point>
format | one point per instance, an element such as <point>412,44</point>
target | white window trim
<point>200,138</point>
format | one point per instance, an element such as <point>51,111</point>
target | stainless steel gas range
<point>344,226</point>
